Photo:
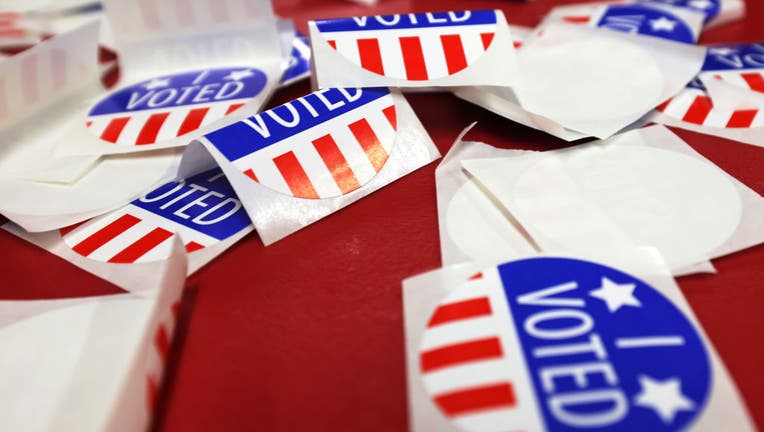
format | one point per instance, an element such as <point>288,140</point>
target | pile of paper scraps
<point>556,308</point>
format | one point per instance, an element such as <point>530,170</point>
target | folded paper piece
<point>717,12</point>
<point>473,227</point>
<point>202,210</point>
<point>87,364</point>
<point>649,19</point>
<point>593,94</point>
<point>444,49</point>
<point>562,344</point>
<point>578,199</point>
<point>187,67</point>
<point>296,163</point>
<point>735,111</point>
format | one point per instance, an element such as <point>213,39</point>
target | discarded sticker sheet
<point>443,49</point>
<point>473,227</point>
<point>91,363</point>
<point>673,199</point>
<point>129,246</point>
<point>187,69</point>
<point>738,113</point>
<point>296,163</point>
<point>594,94</point>
<point>561,343</point>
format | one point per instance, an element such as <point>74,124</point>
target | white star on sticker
<point>663,397</point>
<point>157,82</point>
<point>723,51</point>
<point>662,24</point>
<point>238,75</point>
<point>701,4</point>
<point>616,295</point>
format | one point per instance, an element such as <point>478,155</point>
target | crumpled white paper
<point>645,188</point>
<point>87,364</point>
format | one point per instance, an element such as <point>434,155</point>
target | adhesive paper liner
<point>187,67</point>
<point>442,49</point>
<point>717,12</point>
<point>87,364</point>
<point>128,246</point>
<point>734,114</point>
<point>499,351</point>
<point>301,161</point>
<point>678,201</point>
<point>594,94</point>
<point>472,226</point>
<point>649,19</point>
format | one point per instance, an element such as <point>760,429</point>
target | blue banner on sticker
<point>267,128</point>
<point>205,203</point>
<point>184,89</point>
<point>605,351</point>
<point>734,57</point>
<point>299,60</point>
<point>711,8</point>
<point>646,20</point>
<point>408,21</point>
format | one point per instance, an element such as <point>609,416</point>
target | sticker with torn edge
<point>500,351</point>
<point>325,144</point>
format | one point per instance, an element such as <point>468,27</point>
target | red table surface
<point>307,334</point>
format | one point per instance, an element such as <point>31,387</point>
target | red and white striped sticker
<point>414,47</point>
<point>167,107</point>
<point>326,144</point>
<point>694,106</point>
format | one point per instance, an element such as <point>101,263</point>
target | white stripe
<point>434,57</point>
<point>681,103</point>
<point>186,234</point>
<point>648,342</point>
<point>348,48</point>
<point>354,154</point>
<point>133,127</point>
<point>121,241</point>
<point>392,56</point>
<point>169,128</point>
<point>457,332</point>
<point>318,173</point>
<point>758,121</point>
<point>90,227</point>
<point>159,252</point>
<point>718,118</point>
<point>731,77</point>
<point>468,375</point>
<point>473,46</point>
<point>98,125</point>
<point>383,129</point>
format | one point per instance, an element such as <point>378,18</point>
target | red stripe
<point>141,246</point>
<point>102,236</point>
<point>389,112</point>
<point>233,108</point>
<point>577,19</point>
<point>337,164</point>
<point>251,174</point>
<point>148,134</point>
<point>517,44</point>
<point>699,110</point>
<point>114,129</point>
<point>162,342</point>
<point>755,81</point>
<point>413,58</point>
<point>66,230</point>
<point>487,38</point>
<point>295,176</point>
<point>152,389</point>
<point>476,276</point>
<point>192,121</point>
<point>193,246</point>
<point>369,142</point>
<point>333,44</point>
<point>371,57</point>
<point>454,51</point>
<point>662,107</point>
<point>460,311</point>
<point>175,309</point>
<point>14,32</point>
<point>88,123</point>
<point>482,349</point>
<point>742,118</point>
<point>477,399</point>
<point>9,16</point>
